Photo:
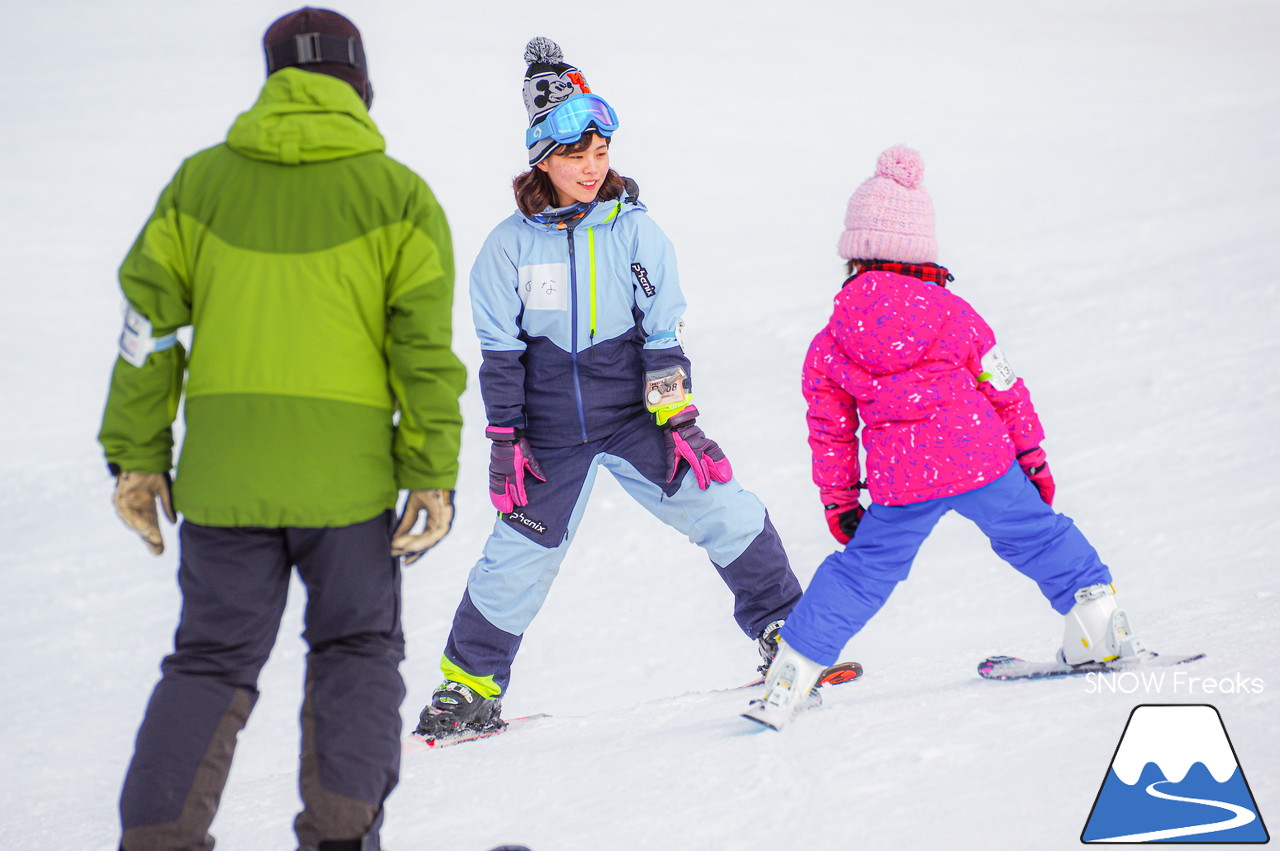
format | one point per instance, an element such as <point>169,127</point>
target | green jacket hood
<point>305,117</point>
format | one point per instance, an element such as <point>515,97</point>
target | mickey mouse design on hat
<point>560,104</point>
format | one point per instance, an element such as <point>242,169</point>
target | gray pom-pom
<point>542,50</point>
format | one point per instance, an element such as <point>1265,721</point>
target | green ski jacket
<point>317,276</point>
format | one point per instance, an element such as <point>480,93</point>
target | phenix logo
<point>1175,778</point>
<point>642,278</point>
<point>528,522</point>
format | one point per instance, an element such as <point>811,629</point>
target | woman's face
<point>577,177</point>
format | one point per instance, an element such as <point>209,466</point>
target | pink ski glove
<point>509,458</point>
<point>686,442</point>
<point>1036,467</point>
<point>843,511</point>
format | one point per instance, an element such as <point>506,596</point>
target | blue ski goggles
<point>568,121</point>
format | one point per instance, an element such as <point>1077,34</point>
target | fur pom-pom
<point>902,165</point>
<point>542,50</point>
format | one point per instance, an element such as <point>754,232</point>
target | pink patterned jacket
<point>941,411</point>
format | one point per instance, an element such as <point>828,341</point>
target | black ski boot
<point>455,708</point>
<point>769,645</point>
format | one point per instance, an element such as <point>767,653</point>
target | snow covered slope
<point>1108,195</point>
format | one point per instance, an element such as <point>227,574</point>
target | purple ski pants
<point>850,586</point>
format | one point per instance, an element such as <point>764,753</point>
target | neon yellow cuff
<point>666,412</point>
<point>483,686</point>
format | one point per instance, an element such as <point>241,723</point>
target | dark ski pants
<point>850,586</point>
<point>234,582</point>
<point>522,557</point>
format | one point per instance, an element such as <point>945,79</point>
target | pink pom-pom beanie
<point>890,216</point>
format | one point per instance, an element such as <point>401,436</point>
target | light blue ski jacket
<point>570,316</point>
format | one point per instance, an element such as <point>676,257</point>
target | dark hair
<point>535,192</point>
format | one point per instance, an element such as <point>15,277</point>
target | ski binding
<point>419,742</point>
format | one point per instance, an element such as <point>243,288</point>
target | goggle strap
<point>591,127</point>
<point>313,48</point>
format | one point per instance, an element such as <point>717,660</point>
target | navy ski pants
<point>850,586</point>
<point>234,583</point>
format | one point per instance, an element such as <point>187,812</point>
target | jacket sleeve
<point>1007,392</point>
<point>658,297</point>
<point>137,423</point>
<point>496,309</point>
<point>832,417</point>
<point>426,376</point>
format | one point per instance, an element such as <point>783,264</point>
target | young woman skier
<point>577,305</point>
<point>946,425</point>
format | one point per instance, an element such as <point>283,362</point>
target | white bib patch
<point>545,286</point>
<point>136,342</point>
<point>996,369</point>
<point>135,339</point>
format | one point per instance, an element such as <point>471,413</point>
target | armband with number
<point>666,392</point>
<point>136,342</point>
<point>996,370</point>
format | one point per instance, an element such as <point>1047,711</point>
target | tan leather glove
<point>135,502</point>
<point>438,504</point>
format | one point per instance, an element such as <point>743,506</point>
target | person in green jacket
<point>316,274</point>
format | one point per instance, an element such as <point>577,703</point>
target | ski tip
<point>415,743</point>
<point>768,725</point>
<point>842,673</point>
<point>1182,660</point>
<point>988,666</point>
<point>427,741</point>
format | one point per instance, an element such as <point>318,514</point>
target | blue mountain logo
<point>1175,778</point>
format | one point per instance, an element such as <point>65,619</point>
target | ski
<point>1013,668</point>
<point>417,742</point>
<point>841,672</point>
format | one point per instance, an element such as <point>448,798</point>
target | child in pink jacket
<point>946,425</point>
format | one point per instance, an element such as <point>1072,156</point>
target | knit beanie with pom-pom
<point>548,82</point>
<point>890,216</point>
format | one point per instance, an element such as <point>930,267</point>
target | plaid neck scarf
<point>931,272</point>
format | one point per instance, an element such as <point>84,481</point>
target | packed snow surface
<point>1107,189</point>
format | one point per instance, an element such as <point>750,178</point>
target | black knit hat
<point>322,41</point>
<point>548,82</point>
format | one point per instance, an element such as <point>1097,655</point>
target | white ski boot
<point>1098,630</point>
<point>791,678</point>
